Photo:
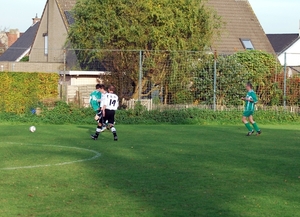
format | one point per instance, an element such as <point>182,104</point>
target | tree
<point>3,40</point>
<point>148,25</point>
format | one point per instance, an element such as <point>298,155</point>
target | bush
<point>63,113</point>
<point>20,92</point>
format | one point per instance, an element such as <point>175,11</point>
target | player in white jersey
<point>103,97</point>
<point>110,105</point>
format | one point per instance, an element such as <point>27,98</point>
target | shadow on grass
<point>203,171</point>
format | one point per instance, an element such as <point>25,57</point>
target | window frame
<point>244,41</point>
<point>45,35</point>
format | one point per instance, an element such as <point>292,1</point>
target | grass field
<point>163,170</point>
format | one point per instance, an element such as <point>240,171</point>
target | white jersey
<point>111,101</point>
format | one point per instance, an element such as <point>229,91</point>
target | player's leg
<point>247,124</point>
<point>102,121</point>
<point>110,115</point>
<point>254,124</point>
<point>98,118</point>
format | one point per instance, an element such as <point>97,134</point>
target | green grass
<point>163,170</point>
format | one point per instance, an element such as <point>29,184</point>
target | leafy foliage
<point>292,89</point>
<point>230,79</point>
<point>263,69</point>
<point>259,67</point>
<point>142,25</point>
<point>64,113</point>
<point>19,92</point>
<point>25,59</point>
<point>203,116</point>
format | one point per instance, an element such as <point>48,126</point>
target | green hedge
<point>21,91</point>
<point>63,113</point>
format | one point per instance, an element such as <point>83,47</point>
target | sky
<point>275,16</point>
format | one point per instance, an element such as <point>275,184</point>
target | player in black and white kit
<point>110,105</point>
<point>103,97</point>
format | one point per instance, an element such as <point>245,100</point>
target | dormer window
<point>247,44</point>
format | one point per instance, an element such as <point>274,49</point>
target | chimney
<point>35,20</point>
<point>12,36</point>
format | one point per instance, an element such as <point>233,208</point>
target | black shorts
<point>109,116</point>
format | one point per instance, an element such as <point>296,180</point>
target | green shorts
<point>248,113</point>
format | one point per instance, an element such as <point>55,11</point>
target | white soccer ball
<point>32,129</point>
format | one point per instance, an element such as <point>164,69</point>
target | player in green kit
<point>95,98</point>
<point>95,101</point>
<point>250,101</point>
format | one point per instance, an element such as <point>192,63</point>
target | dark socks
<point>98,130</point>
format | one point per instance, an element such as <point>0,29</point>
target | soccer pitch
<point>154,170</point>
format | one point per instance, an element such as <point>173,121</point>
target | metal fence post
<point>64,80</point>
<point>140,75</point>
<point>284,83</point>
<point>215,81</point>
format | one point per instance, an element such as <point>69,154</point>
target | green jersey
<point>95,98</point>
<point>250,105</point>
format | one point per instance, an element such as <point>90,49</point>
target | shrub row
<point>63,113</point>
<point>21,91</point>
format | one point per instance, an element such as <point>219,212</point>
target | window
<point>45,35</point>
<point>247,44</point>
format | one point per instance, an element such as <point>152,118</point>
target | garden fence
<point>172,79</point>
<point>181,79</point>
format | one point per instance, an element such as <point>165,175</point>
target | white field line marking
<point>97,155</point>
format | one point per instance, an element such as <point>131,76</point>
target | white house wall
<point>80,80</point>
<point>292,55</point>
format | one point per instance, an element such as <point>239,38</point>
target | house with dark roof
<point>287,47</point>
<point>22,46</point>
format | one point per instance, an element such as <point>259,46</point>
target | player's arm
<point>105,101</point>
<point>247,99</point>
<point>254,98</point>
<point>103,110</point>
<point>99,98</point>
<point>117,103</point>
<point>94,103</point>
<point>91,100</point>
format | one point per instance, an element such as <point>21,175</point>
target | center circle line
<point>97,155</point>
